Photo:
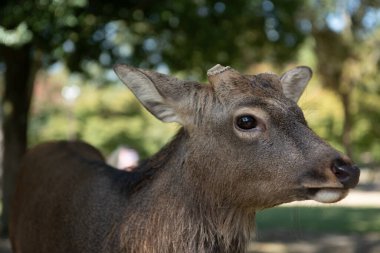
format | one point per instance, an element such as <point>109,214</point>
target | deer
<point>243,146</point>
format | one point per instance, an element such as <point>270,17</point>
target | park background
<point>56,82</point>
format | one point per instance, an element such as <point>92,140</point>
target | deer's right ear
<point>294,81</point>
<point>159,93</point>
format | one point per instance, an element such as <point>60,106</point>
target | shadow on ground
<point>329,229</point>
<point>308,242</point>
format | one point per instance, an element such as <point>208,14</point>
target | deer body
<point>244,146</point>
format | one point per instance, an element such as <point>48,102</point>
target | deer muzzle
<point>345,172</point>
<point>346,177</point>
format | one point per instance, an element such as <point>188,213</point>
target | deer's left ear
<point>294,81</point>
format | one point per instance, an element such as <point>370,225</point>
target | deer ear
<point>294,81</point>
<point>157,92</point>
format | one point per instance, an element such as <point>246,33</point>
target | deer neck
<point>179,218</point>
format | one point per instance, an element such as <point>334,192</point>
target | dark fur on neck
<point>174,227</point>
<point>173,219</point>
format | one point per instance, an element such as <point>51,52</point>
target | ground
<point>350,226</point>
<point>282,242</point>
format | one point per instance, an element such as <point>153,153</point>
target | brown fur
<point>198,194</point>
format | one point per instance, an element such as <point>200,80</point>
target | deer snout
<point>347,173</point>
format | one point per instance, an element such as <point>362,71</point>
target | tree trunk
<point>19,80</point>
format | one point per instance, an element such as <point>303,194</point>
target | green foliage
<point>323,113</point>
<point>188,37</point>
<point>320,219</point>
<point>159,33</point>
<point>106,117</point>
<point>366,133</point>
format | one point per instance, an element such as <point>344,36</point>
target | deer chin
<point>327,195</point>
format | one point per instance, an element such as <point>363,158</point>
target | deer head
<point>247,142</point>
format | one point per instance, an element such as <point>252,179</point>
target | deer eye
<point>246,122</point>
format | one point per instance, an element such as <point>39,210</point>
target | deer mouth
<point>327,195</point>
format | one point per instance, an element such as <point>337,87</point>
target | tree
<point>191,35</point>
<point>341,31</point>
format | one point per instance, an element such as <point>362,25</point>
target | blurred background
<point>56,82</point>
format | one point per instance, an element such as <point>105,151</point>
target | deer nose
<point>345,172</point>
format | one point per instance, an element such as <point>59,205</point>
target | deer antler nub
<point>217,69</point>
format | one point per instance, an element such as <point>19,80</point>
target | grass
<point>341,220</point>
